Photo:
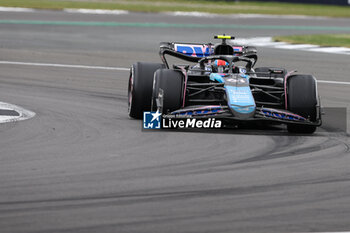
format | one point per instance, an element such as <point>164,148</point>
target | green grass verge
<point>210,6</point>
<point>337,40</point>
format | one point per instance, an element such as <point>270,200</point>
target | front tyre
<point>140,88</point>
<point>302,100</point>
<point>171,83</point>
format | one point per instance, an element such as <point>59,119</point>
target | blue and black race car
<point>223,83</point>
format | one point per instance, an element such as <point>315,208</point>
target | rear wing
<point>193,52</point>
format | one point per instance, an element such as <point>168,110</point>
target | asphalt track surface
<point>81,165</point>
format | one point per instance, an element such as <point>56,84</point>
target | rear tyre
<point>171,82</point>
<point>140,88</point>
<point>302,100</point>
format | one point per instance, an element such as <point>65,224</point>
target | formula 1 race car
<point>223,83</point>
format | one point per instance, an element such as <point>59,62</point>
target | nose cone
<point>243,112</point>
<point>240,101</point>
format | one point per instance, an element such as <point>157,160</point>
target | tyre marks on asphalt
<point>291,148</point>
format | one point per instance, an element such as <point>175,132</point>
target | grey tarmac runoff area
<point>81,165</point>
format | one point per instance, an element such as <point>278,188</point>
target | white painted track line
<point>333,82</point>
<point>24,114</point>
<point>338,50</point>
<point>268,42</point>
<point>16,9</point>
<point>96,11</point>
<point>64,65</point>
<point>115,68</point>
<point>296,46</point>
<point>242,16</point>
<point>68,10</point>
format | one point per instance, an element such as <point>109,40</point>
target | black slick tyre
<point>302,100</point>
<point>140,87</point>
<point>170,82</point>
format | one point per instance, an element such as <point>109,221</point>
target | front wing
<point>261,114</point>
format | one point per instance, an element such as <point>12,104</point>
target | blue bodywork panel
<point>239,96</point>
<point>217,77</point>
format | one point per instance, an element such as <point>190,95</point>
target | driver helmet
<point>220,66</point>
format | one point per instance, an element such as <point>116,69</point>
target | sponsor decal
<point>240,96</point>
<point>198,112</point>
<point>152,120</point>
<point>190,123</point>
<point>194,50</point>
<point>242,70</point>
<point>237,48</point>
<point>282,115</point>
<point>231,80</point>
